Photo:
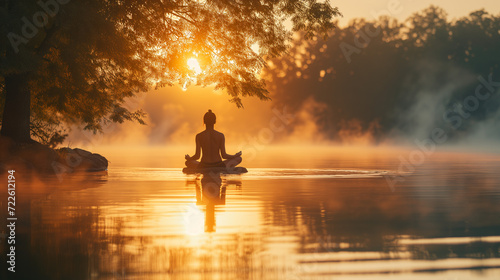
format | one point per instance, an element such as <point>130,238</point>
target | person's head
<point>209,118</point>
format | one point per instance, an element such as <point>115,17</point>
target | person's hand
<point>187,157</point>
<point>238,154</point>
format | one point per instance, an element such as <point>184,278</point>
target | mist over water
<point>377,158</point>
<point>393,87</point>
<point>311,213</point>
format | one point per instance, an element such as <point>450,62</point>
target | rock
<point>81,160</point>
<point>41,158</point>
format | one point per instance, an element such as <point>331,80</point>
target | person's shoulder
<point>200,134</point>
<point>219,133</point>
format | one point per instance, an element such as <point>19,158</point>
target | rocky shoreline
<point>41,158</point>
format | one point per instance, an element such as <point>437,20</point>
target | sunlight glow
<point>194,220</point>
<point>185,85</point>
<point>194,65</point>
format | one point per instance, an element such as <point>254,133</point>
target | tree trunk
<point>16,113</point>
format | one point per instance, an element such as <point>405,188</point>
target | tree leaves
<point>92,55</point>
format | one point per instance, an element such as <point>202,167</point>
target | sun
<point>194,65</point>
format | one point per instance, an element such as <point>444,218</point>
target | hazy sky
<point>401,9</point>
<point>173,117</point>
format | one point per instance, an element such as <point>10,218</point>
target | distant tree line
<point>372,73</point>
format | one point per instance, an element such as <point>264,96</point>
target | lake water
<point>312,214</point>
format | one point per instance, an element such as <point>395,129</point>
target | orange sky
<point>401,9</point>
<point>175,116</point>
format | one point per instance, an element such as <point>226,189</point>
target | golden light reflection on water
<point>327,222</point>
<point>194,220</point>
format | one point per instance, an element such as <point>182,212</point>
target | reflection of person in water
<point>211,193</point>
<point>211,144</point>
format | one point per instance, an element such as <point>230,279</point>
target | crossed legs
<point>229,163</point>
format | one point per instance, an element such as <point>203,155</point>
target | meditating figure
<point>211,144</point>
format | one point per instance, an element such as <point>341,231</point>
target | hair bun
<point>209,118</point>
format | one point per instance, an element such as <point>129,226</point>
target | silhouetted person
<point>212,145</point>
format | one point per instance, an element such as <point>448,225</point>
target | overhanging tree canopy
<point>79,60</point>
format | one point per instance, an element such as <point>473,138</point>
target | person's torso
<point>210,142</point>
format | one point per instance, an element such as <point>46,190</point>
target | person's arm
<point>223,150</point>
<point>197,154</point>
